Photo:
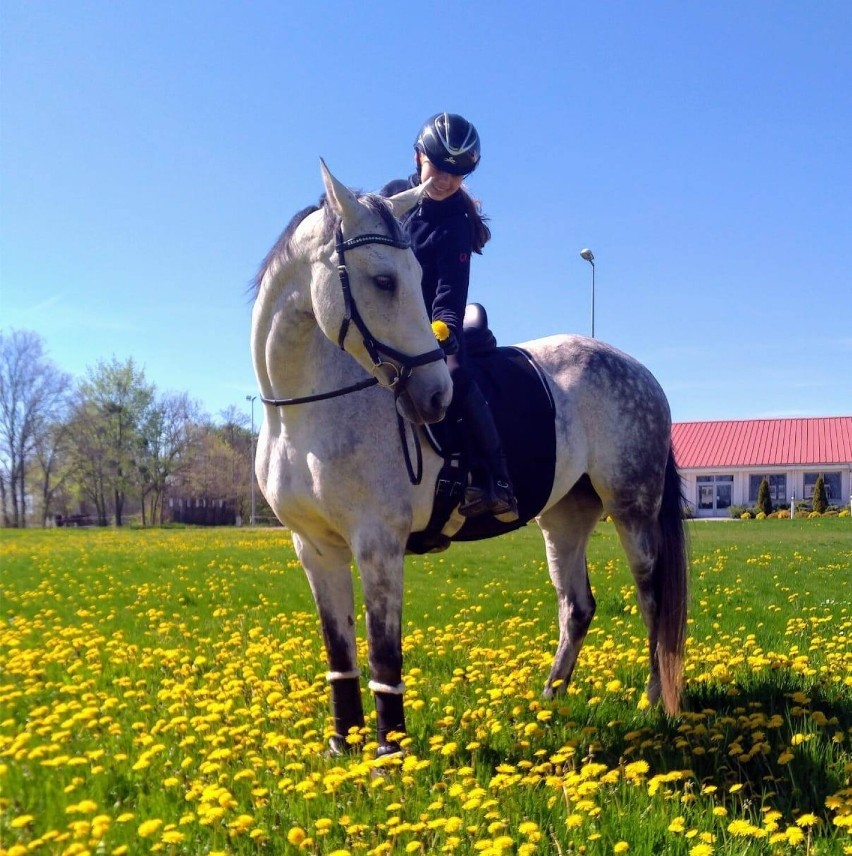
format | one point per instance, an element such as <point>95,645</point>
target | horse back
<point>613,421</point>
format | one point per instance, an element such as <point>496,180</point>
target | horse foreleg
<point>330,578</point>
<point>566,528</point>
<point>380,557</point>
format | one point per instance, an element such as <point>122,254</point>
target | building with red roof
<point>723,463</point>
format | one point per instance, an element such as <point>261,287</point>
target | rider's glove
<point>446,337</point>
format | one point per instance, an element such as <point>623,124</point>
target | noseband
<point>391,375</point>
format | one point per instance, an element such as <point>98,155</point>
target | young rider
<point>445,228</point>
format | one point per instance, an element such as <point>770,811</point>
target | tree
<point>166,437</point>
<point>33,398</point>
<point>820,500</point>
<point>764,501</point>
<point>111,407</point>
<point>53,470</point>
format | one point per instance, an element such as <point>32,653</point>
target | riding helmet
<point>450,142</point>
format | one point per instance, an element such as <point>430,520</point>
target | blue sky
<point>152,152</point>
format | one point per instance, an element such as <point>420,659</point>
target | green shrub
<point>764,501</point>
<point>820,500</point>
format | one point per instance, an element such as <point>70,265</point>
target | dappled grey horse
<point>342,348</point>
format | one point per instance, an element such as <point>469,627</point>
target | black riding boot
<point>491,491</point>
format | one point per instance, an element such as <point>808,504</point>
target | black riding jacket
<point>442,240</point>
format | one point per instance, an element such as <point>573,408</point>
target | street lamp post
<point>252,398</point>
<point>589,256</point>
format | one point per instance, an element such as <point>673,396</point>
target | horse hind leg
<point>566,528</point>
<point>330,578</point>
<point>656,552</point>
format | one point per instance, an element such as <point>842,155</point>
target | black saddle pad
<point>523,410</point>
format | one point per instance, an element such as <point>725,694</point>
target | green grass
<point>164,690</point>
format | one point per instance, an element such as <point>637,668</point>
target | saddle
<point>524,413</point>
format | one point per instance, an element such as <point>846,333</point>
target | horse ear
<point>342,200</point>
<point>407,199</point>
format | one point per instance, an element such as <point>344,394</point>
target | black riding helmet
<point>450,142</point>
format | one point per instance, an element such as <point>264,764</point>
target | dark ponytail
<point>479,222</point>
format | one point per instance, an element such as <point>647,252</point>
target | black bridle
<point>391,375</point>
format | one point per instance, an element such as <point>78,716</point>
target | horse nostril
<point>439,401</point>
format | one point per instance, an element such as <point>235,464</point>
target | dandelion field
<point>164,691</point>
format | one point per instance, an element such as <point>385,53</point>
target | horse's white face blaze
<point>385,287</point>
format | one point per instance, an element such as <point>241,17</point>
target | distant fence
<point>203,512</point>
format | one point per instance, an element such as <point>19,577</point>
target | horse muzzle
<point>423,398</point>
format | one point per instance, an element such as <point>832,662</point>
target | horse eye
<point>385,283</point>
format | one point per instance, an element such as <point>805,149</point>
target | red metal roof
<point>763,442</point>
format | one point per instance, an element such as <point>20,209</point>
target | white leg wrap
<point>376,687</point>
<point>342,676</point>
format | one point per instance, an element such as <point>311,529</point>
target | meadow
<point>164,691</point>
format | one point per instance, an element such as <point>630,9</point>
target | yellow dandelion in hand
<point>441,331</point>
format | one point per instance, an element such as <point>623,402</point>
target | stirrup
<point>479,501</point>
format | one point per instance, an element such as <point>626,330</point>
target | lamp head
<point>588,255</point>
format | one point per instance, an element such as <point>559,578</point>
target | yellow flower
<point>794,835</point>
<point>149,827</point>
<point>807,820</point>
<point>296,836</point>
<point>173,837</point>
<point>23,820</point>
<point>620,847</point>
<point>701,850</point>
<point>441,331</point>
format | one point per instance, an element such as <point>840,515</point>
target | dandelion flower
<point>701,850</point>
<point>807,820</point>
<point>296,836</point>
<point>794,835</point>
<point>149,827</point>
<point>620,847</point>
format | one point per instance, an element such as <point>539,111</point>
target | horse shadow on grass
<point>768,743</point>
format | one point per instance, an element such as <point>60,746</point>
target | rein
<point>387,374</point>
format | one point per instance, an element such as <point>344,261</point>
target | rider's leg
<point>491,489</point>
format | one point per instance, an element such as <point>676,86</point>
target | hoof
<point>653,690</point>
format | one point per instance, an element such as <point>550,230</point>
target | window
<point>832,486</point>
<point>777,488</point>
<point>714,493</point>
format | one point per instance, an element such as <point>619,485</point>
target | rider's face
<point>444,184</point>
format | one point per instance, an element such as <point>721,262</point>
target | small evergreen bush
<point>820,500</point>
<point>764,501</point>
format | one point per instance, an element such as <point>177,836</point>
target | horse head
<point>367,299</point>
